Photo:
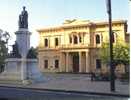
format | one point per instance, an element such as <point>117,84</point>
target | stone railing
<point>66,46</point>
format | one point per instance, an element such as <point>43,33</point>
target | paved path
<point>76,82</point>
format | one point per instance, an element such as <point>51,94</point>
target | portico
<point>75,61</point>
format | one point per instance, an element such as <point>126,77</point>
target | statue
<point>15,52</point>
<point>23,19</point>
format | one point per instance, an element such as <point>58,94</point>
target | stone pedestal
<point>23,41</point>
<point>14,71</point>
<point>23,66</point>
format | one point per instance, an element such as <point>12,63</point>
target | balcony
<point>74,46</point>
<point>64,46</point>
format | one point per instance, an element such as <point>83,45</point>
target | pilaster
<point>67,62</point>
<point>80,61</point>
<point>87,62</point>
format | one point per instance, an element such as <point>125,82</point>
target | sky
<point>43,13</point>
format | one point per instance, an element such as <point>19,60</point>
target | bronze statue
<point>23,19</point>
<point>15,52</point>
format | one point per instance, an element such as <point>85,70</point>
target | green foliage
<point>105,53</point>
<point>32,53</point>
<point>4,37</point>
<point>120,53</point>
<point>3,52</point>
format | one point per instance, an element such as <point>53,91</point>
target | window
<point>46,63</point>
<point>70,39</point>
<point>80,40</point>
<point>56,42</point>
<point>75,40</point>
<point>97,39</point>
<point>46,42</point>
<point>98,63</point>
<point>56,63</point>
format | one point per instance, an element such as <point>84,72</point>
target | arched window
<point>46,42</point>
<point>56,63</point>
<point>97,39</point>
<point>114,37</point>
<point>75,39</point>
<point>56,42</point>
<point>46,64</point>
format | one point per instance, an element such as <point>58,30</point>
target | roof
<point>75,23</point>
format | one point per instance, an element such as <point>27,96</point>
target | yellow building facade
<point>73,46</point>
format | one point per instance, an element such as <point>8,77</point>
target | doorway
<point>75,62</point>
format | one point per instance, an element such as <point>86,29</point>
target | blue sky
<point>53,12</point>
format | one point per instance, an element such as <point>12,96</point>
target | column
<point>41,44</point>
<point>67,62</point>
<point>80,61</point>
<point>70,63</point>
<point>82,39</point>
<point>87,62</point>
<point>62,62</point>
<point>78,39</point>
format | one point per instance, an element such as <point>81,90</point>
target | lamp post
<point>112,74</point>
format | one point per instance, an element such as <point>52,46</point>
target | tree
<point>3,55</point>
<point>120,54</point>
<point>104,53</point>
<point>4,37</point>
<point>122,57</point>
<point>32,53</point>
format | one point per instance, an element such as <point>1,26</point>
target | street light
<point>112,74</point>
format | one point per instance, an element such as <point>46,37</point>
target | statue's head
<point>23,7</point>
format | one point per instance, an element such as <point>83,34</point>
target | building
<point>73,46</point>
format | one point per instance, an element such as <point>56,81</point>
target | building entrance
<point>75,62</point>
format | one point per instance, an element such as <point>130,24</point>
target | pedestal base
<point>13,71</point>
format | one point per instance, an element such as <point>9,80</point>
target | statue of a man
<point>23,19</point>
<point>15,51</point>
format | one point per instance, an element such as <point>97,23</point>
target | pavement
<point>79,83</point>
